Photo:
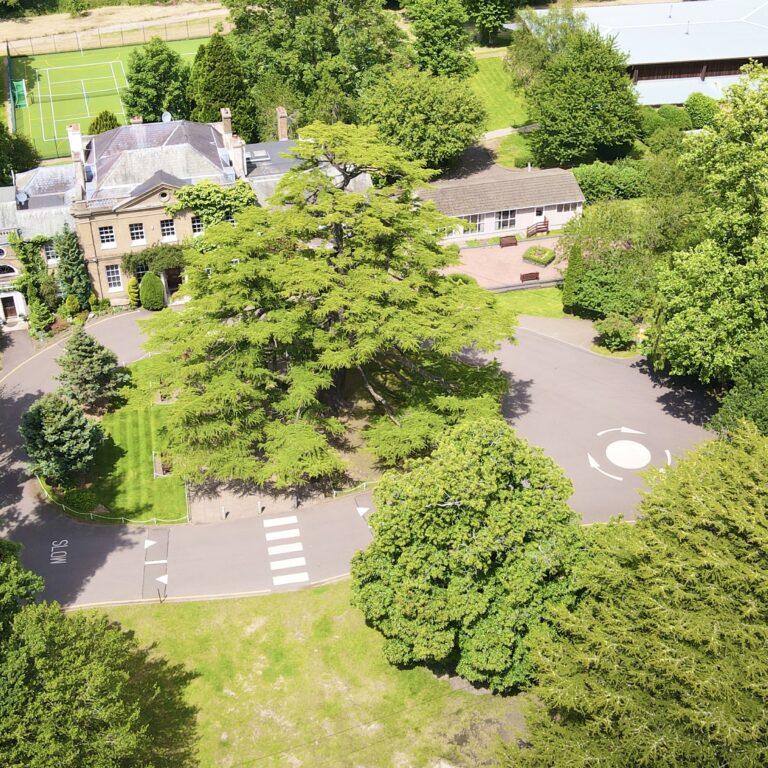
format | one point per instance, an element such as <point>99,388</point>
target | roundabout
<point>561,398</point>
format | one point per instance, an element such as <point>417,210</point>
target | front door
<point>9,308</point>
<point>539,214</point>
<point>173,280</point>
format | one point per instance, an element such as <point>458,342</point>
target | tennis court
<point>53,90</point>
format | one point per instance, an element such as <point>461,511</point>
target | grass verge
<point>539,302</point>
<point>624,353</point>
<point>298,679</point>
<point>505,106</point>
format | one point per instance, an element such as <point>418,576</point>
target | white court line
<point>288,520</point>
<point>75,66</point>
<point>291,533</point>
<point>80,79</point>
<point>290,578</point>
<point>284,549</point>
<point>40,105</point>
<point>85,96</point>
<point>53,113</point>
<point>291,562</point>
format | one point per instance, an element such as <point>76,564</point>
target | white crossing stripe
<point>275,521</point>
<point>291,562</point>
<point>290,578</point>
<point>291,533</point>
<point>154,562</point>
<point>284,549</point>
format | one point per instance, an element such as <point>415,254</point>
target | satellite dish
<point>166,117</point>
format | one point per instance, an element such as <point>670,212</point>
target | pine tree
<point>58,438</point>
<point>103,122</point>
<point>40,318</point>
<point>151,292</point>
<point>72,271</point>
<point>89,373</point>
<point>217,81</point>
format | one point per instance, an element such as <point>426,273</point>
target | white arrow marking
<point>594,465</point>
<point>669,458</point>
<point>362,511</point>
<point>163,579</point>
<point>623,430</point>
<point>149,543</point>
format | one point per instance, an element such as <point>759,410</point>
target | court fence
<point>119,35</point>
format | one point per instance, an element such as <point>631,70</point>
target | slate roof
<point>161,178</point>
<point>266,158</point>
<point>122,159</point>
<point>499,189</point>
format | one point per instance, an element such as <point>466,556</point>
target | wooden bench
<point>508,240</point>
<point>529,277</point>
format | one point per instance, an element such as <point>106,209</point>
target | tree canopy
<point>661,662</point>
<point>430,117</point>
<point>17,153</point>
<point>71,270</point>
<point>334,292</point>
<point>157,80</point>
<point>748,398</point>
<point>104,121</point>
<point>471,548</point>
<point>212,202</point>
<point>441,42</point>
<point>58,439</point>
<point>582,100</point>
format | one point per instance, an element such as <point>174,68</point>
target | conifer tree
<point>72,271</point>
<point>89,373</point>
<point>58,438</point>
<point>151,292</point>
<point>103,122</point>
<point>133,292</point>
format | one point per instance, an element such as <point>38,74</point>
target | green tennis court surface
<point>53,90</point>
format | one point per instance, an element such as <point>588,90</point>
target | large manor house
<point>115,192</point>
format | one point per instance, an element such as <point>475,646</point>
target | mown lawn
<point>540,302</point>
<point>122,477</point>
<point>505,106</point>
<point>514,151</point>
<point>298,679</point>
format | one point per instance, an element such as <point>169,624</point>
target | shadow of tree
<point>682,397</point>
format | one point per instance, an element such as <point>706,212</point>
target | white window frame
<point>50,253</point>
<point>107,244</point>
<point>141,270</point>
<point>170,224</point>
<point>197,226</point>
<point>109,273</point>
<point>476,219</point>
<point>506,219</point>
<point>567,207</point>
<point>137,240</point>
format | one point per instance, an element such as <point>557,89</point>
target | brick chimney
<point>77,153</point>
<point>282,124</point>
<point>237,155</point>
<point>226,124</point>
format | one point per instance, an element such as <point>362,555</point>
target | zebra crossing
<point>283,529</point>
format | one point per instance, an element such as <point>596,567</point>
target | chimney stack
<point>282,124</point>
<point>137,120</point>
<point>78,159</point>
<point>237,155</point>
<point>226,126</point>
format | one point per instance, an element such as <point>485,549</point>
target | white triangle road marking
<point>163,579</point>
<point>362,511</point>
<point>149,543</point>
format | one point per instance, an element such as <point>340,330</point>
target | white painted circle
<point>628,454</point>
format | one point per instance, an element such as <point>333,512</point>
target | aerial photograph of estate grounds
<point>384,384</point>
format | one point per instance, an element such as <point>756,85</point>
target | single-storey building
<point>500,201</point>
<point>676,49</point>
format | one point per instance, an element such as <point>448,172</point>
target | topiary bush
<point>676,117</point>
<point>540,255</point>
<point>151,292</point>
<point>701,109</point>
<point>622,180</point>
<point>133,292</point>
<point>650,122</point>
<point>617,332</point>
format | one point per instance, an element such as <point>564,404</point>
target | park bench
<point>529,277</point>
<point>508,240</point>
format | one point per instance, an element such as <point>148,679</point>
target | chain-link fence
<point>124,34</point>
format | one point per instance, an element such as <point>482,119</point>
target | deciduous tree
<point>71,271</point>
<point>58,439</point>
<point>748,398</point>
<point>335,292</point>
<point>432,118</point>
<point>661,661</point>
<point>157,82</point>
<point>442,43</point>
<point>17,153</point>
<point>90,374</point>
<point>472,548</point>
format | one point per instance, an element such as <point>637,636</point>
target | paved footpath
<point>603,420</point>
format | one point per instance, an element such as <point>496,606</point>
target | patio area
<point>495,267</point>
